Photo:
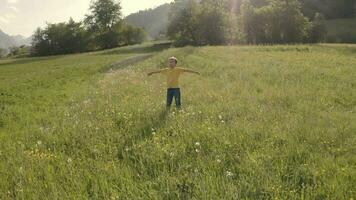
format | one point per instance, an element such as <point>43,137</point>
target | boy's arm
<point>155,72</point>
<point>191,71</point>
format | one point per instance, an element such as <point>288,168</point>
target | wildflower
<point>229,174</point>
<point>197,144</point>
<point>218,160</point>
<point>153,133</point>
<point>69,160</point>
<point>222,121</point>
<point>197,150</point>
<point>39,142</point>
<point>220,117</point>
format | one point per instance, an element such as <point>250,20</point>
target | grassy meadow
<point>272,122</point>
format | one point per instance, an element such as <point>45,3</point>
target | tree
<point>214,22</point>
<point>204,22</point>
<point>317,29</point>
<point>281,21</point>
<point>132,35</point>
<point>331,9</point>
<point>105,16</point>
<point>184,22</point>
<point>60,38</point>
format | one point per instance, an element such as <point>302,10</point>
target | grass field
<point>259,123</point>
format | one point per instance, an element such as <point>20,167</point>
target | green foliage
<point>208,22</point>
<point>331,9</point>
<point>104,15</point>
<point>104,22</point>
<point>277,22</point>
<point>61,38</point>
<point>318,29</point>
<point>273,122</point>
<point>184,23</point>
<point>341,30</point>
<point>21,51</point>
<point>203,22</point>
<point>102,29</point>
<point>132,35</point>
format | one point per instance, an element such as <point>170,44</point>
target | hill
<point>261,122</point>
<point>153,21</point>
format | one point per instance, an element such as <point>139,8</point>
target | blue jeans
<point>173,93</point>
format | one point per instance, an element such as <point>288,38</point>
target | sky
<point>24,16</point>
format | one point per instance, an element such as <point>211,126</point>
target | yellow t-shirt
<point>173,75</point>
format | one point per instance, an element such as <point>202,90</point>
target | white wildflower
<point>229,174</point>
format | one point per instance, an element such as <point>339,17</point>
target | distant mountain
<point>7,41</point>
<point>21,40</point>
<point>153,21</point>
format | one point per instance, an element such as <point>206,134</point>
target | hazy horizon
<point>22,17</point>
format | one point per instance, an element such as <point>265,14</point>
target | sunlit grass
<point>259,123</point>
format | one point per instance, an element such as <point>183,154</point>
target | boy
<point>173,73</point>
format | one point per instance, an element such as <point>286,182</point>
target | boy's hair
<point>174,58</point>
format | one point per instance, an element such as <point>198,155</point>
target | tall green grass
<point>259,123</point>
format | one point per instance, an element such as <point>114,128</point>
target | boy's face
<point>172,63</point>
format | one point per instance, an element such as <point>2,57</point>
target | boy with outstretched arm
<point>173,73</point>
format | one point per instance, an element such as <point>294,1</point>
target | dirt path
<point>127,62</point>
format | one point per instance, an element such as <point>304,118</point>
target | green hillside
<point>153,21</point>
<point>259,123</point>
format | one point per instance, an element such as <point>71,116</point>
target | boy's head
<point>172,61</point>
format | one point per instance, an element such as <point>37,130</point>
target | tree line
<point>214,22</point>
<point>102,28</point>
